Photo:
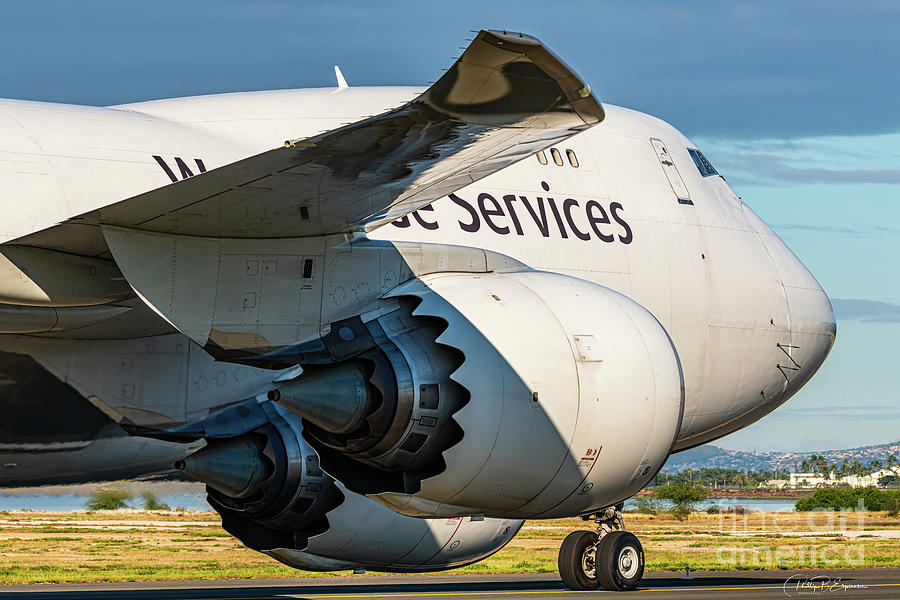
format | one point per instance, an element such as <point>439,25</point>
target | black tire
<point>619,561</point>
<point>575,567</point>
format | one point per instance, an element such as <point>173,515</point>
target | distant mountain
<point>715,457</point>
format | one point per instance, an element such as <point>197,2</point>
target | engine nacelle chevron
<point>523,394</point>
<point>265,482</point>
<point>438,380</point>
<point>382,416</point>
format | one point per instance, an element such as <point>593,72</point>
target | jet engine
<point>520,394</point>
<point>265,482</point>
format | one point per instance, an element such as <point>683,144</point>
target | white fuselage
<point>749,323</point>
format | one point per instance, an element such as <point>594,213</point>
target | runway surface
<point>838,583</point>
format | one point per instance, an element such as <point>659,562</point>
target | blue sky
<point>796,103</point>
<point>835,200</point>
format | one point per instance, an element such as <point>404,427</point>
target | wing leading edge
<point>506,97</point>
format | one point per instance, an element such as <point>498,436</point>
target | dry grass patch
<point>135,545</point>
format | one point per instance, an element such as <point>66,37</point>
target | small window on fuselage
<point>542,158</point>
<point>557,157</point>
<point>573,160</point>
<point>703,165</point>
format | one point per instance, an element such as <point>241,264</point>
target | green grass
<point>115,572</point>
<point>57,552</point>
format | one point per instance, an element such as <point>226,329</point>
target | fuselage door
<point>672,174</point>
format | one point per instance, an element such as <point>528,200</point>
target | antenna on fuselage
<point>342,83</point>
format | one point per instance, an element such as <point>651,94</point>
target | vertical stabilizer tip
<point>341,82</point>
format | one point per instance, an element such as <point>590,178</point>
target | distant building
<point>811,480</point>
<point>817,480</point>
<point>868,480</point>
<point>776,483</point>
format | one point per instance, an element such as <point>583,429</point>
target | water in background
<point>177,494</point>
<point>194,498</point>
<point>758,504</point>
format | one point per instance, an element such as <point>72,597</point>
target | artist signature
<point>797,585</point>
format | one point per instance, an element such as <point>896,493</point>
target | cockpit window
<point>703,165</point>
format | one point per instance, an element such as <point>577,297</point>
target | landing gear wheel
<point>619,560</point>
<point>576,561</point>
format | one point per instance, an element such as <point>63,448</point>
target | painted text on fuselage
<point>520,215</point>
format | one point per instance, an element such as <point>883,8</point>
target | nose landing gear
<point>611,557</point>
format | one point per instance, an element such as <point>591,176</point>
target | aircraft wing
<point>505,98</point>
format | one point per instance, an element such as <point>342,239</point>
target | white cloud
<point>813,160</point>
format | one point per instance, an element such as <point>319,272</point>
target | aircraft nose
<point>813,327</point>
<point>820,322</point>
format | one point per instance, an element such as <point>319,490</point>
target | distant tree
<point>151,502</point>
<point>893,506</point>
<point>683,497</point>
<point>804,466</point>
<point>718,476</point>
<point>642,505</point>
<point>891,461</point>
<point>108,499</point>
<point>844,469</point>
<point>819,465</point>
<point>875,466</point>
<point>690,474</point>
<point>838,498</point>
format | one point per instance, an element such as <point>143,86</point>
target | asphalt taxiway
<point>838,583</point>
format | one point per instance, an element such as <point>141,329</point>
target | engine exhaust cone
<point>338,399</point>
<point>234,467</point>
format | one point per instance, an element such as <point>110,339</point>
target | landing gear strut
<point>611,557</point>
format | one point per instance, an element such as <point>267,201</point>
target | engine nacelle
<point>521,394</point>
<point>265,482</point>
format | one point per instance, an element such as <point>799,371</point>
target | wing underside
<point>506,97</point>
